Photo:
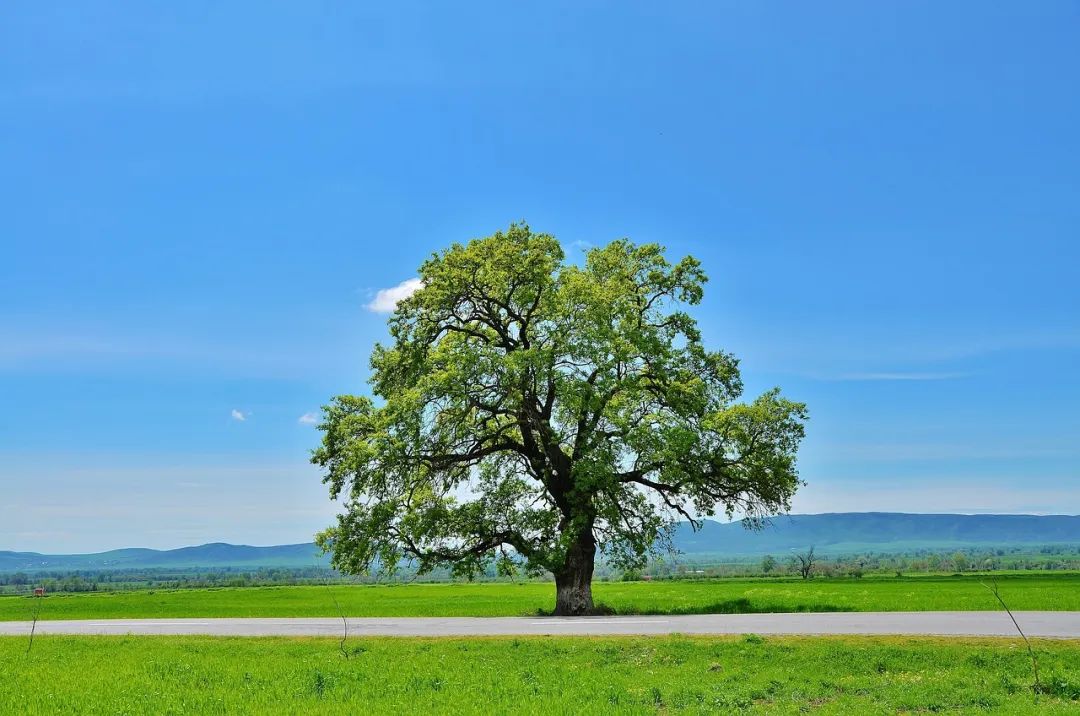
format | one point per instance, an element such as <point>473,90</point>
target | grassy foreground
<point>1021,591</point>
<point>124,675</point>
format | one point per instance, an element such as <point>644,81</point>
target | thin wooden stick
<point>1037,687</point>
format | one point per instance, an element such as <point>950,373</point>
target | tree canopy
<point>531,411</point>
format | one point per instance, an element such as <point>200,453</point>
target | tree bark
<point>573,583</point>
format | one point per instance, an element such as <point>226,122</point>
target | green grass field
<point>1021,591</point>
<point>180,675</point>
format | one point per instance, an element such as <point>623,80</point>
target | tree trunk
<point>573,583</point>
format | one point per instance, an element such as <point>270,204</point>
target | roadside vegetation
<point>534,675</point>
<point>1060,591</point>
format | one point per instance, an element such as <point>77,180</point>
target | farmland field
<point>534,675</point>
<point>1021,591</point>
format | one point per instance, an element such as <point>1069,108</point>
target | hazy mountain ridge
<point>215,554</point>
<point>878,531</point>
<point>828,533</point>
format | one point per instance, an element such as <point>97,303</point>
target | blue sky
<point>200,202</point>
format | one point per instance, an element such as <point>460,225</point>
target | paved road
<point>1042,624</point>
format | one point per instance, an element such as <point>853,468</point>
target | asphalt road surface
<point>1040,624</point>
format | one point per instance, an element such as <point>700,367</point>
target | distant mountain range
<point>848,532</point>
<point>837,533</point>
<point>214,555</point>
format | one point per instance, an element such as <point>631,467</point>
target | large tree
<point>532,412</point>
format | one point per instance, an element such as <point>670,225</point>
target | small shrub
<point>318,684</point>
<point>1061,688</point>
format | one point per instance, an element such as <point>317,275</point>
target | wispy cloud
<point>898,375</point>
<point>191,499</point>
<point>308,419</point>
<point>999,450</point>
<point>996,498</point>
<point>829,351</point>
<point>239,415</point>
<point>386,299</point>
<point>77,347</point>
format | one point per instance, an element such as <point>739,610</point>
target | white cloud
<point>308,419</point>
<point>387,298</point>
<point>239,415</point>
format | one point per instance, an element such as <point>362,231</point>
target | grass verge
<point>533,675</point>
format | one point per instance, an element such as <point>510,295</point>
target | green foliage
<point>1023,592</point>
<point>960,561</point>
<point>768,564</point>
<point>1062,687</point>
<point>530,411</point>
<point>136,675</point>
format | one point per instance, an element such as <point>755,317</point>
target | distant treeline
<point>128,579</point>
<point>1022,558</point>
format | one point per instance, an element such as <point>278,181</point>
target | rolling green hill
<point>829,533</point>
